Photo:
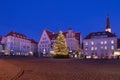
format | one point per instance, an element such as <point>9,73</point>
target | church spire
<point>108,29</point>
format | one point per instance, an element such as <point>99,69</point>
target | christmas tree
<point>60,47</point>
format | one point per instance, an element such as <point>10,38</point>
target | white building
<point>48,39</point>
<point>17,44</point>
<point>34,45</point>
<point>100,44</point>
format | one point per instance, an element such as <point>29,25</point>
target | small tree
<point>60,47</point>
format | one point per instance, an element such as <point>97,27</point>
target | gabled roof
<point>49,33</point>
<point>54,36</point>
<point>103,34</point>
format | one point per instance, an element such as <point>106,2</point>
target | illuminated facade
<point>18,44</point>
<point>100,44</point>
<point>34,47</point>
<point>48,39</point>
<point>0,46</point>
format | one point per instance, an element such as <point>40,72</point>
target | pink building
<point>48,38</point>
<point>0,46</point>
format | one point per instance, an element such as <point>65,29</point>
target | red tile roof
<point>18,35</point>
<point>49,33</point>
<point>54,36</point>
<point>33,41</point>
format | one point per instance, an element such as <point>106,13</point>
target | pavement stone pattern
<point>68,69</point>
<point>8,71</point>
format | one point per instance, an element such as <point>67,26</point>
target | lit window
<point>92,48</point>
<point>105,42</point>
<point>112,47</point>
<point>112,42</point>
<point>101,42</point>
<point>92,43</point>
<point>95,48</point>
<point>86,48</point>
<point>86,43</point>
<point>101,47</point>
<point>105,47</point>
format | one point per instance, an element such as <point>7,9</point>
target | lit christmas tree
<point>60,47</point>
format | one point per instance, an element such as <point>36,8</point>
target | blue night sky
<point>30,17</point>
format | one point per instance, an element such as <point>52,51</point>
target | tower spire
<point>108,28</point>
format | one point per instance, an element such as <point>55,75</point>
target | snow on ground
<point>67,69</point>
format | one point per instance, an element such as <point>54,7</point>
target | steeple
<point>108,29</point>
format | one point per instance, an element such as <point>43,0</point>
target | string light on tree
<point>60,47</point>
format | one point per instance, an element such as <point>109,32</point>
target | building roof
<point>33,41</point>
<point>103,34</point>
<point>19,35</point>
<point>16,34</point>
<point>49,33</point>
<point>54,36</point>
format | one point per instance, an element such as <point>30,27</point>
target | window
<point>44,35</point>
<point>112,47</point>
<point>105,47</point>
<point>112,41</point>
<point>92,48</point>
<point>101,47</point>
<point>45,45</point>
<point>105,42</point>
<point>86,48</point>
<point>39,45</point>
<point>95,48</point>
<point>86,43</point>
<point>92,43</point>
<point>101,42</point>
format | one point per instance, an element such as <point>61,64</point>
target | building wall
<point>0,49</point>
<point>17,46</point>
<point>44,44</point>
<point>34,49</point>
<point>100,47</point>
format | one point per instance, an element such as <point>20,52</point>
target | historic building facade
<point>1,46</point>
<point>18,44</point>
<point>101,44</point>
<point>48,38</point>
